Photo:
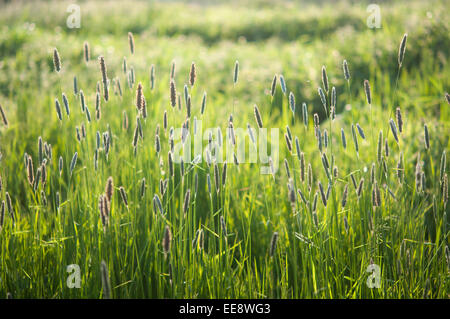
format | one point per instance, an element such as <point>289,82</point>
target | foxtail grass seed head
<point>40,150</point>
<point>288,142</point>
<point>322,194</point>
<point>302,196</point>
<point>360,187</point>
<point>319,139</point>
<point>157,204</point>
<point>305,114</point>
<point>372,173</point>
<point>165,120</point>
<point>316,120</point>
<point>58,109</point>
<point>283,84</point>
<point>87,54</point>
<point>139,96</point>
<point>344,141</point>
<point>73,162</point>
<point>88,114</point>
<point>30,171</point>
<point>310,176</point>
<point>109,189</point>
<point>187,199</point>
<point>402,49</point>
<point>273,244</point>
<point>82,101</point>
<point>66,104</point>
<point>131,42</point>
<point>380,146</point>
<point>167,239</point>
<point>323,99</point>
<point>236,72</point>
<point>325,138</point>
<point>152,76</point>
<point>3,115</point>
<point>325,79</point>
<point>292,196</point>
<point>376,200</point>
<point>442,166</point>
<point>297,147</point>
<point>75,85</point>
<point>124,65</point>
<point>398,116</point>
<point>188,107</point>
<point>258,117</point>
<point>393,129</point>
<point>224,174</point>
<point>157,144</point>
<point>106,284</point>
<point>426,136</point>
<point>360,131</point>
<point>352,177</point>
<point>123,194</point>
<point>333,97</point>
<point>286,166</point>
<point>104,78</point>
<point>60,165</point>
<point>386,148</point>
<point>335,172</point>
<point>418,173</point>
<point>274,86</point>
<point>346,71</point>
<point>97,106</point>
<point>368,93</point>
<point>302,166</point>
<point>192,75</point>
<point>56,60</point>
<point>250,133</point>
<point>2,215</point>
<point>328,191</point>
<point>344,195</point>
<point>400,169</point>
<point>216,177</point>
<point>292,102</point>
<point>355,139</point>
<point>203,103</point>
<point>186,93</point>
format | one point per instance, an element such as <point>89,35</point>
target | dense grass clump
<point>360,176</point>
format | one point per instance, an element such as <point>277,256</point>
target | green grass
<point>407,235</point>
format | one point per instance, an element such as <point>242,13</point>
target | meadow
<point>96,202</point>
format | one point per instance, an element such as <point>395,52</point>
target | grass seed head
<point>402,49</point>
<point>346,71</point>
<point>87,54</point>
<point>131,42</point>
<point>192,75</point>
<point>367,90</point>
<point>258,117</point>
<point>56,60</point>
<point>3,115</point>
<point>325,79</point>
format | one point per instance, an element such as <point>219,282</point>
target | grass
<point>247,234</point>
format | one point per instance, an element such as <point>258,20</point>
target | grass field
<point>355,202</point>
